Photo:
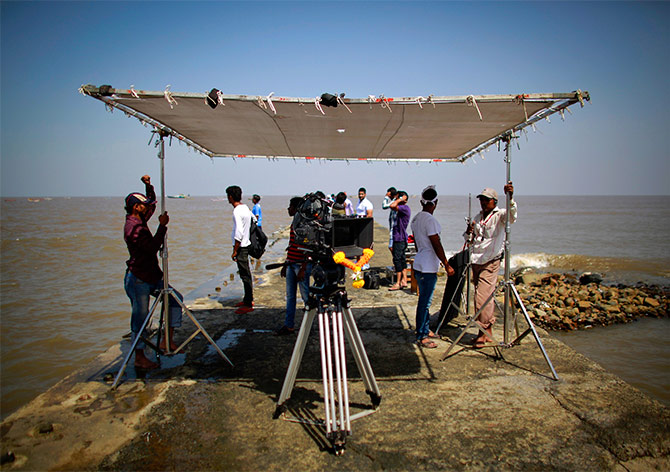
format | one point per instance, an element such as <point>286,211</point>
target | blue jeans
<point>426,283</point>
<point>292,284</point>
<point>139,291</point>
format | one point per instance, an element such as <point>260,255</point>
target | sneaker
<point>284,330</point>
<point>243,304</point>
<point>243,310</point>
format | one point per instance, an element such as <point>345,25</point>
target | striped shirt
<point>293,252</point>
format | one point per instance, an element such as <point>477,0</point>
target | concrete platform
<point>472,411</point>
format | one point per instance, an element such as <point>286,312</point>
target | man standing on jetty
<point>488,231</point>
<point>364,207</point>
<point>257,210</point>
<point>241,226</point>
<point>144,277</point>
<point>296,270</point>
<point>402,212</point>
<point>429,254</point>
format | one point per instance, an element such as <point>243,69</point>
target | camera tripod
<point>336,321</point>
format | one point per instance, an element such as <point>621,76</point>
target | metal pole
<point>164,252</point>
<point>506,308</point>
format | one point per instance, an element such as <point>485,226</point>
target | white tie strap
<point>470,100</point>
<point>168,96</point>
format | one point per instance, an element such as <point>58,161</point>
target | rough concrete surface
<point>472,411</point>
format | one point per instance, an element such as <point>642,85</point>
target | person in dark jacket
<point>144,276</point>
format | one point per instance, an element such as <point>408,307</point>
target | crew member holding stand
<point>488,230</point>
<point>144,276</point>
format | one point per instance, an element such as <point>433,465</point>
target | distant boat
<point>181,195</point>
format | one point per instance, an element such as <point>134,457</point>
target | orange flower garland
<point>341,259</point>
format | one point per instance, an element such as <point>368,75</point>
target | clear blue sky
<point>56,142</point>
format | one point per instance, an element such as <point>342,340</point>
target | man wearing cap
<point>144,277</point>
<point>429,254</point>
<point>488,235</point>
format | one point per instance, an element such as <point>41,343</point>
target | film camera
<point>322,235</point>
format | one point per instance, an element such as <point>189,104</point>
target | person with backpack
<point>242,218</point>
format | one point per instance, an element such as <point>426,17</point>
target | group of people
<point>485,235</point>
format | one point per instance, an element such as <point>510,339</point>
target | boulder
<point>590,278</point>
<point>652,302</point>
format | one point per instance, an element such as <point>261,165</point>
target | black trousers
<point>458,262</point>
<point>245,275</point>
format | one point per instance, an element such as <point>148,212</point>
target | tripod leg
<point>323,333</point>
<point>472,322</point>
<point>200,329</point>
<point>361,358</point>
<point>339,435</point>
<point>294,364</point>
<point>328,375</point>
<point>133,345</point>
<point>531,327</point>
<point>343,363</point>
<point>451,303</point>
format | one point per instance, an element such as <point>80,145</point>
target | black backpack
<point>258,240</point>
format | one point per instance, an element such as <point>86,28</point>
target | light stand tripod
<point>165,293</point>
<point>463,279</point>
<point>335,322</point>
<point>509,289</point>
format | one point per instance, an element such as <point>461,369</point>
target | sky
<point>57,142</point>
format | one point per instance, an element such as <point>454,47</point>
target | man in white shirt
<point>488,234</point>
<point>241,226</point>
<point>430,254</point>
<point>364,207</point>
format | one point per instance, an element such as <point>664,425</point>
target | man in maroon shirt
<point>144,276</point>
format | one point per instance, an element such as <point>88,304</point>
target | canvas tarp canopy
<point>374,128</point>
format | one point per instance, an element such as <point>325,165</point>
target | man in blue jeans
<point>143,275</point>
<point>297,270</point>
<point>429,254</point>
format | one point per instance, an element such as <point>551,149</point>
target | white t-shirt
<point>424,225</point>
<point>348,207</point>
<point>241,225</point>
<point>363,207</point>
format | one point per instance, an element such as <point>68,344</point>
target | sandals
<point>394,288</point>
<point>427,343</point>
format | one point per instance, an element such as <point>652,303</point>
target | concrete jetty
<point>472,411</point>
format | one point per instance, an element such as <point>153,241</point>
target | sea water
<point>62,265</point>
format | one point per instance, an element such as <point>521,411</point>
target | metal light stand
<point>165,293</point>
<point>509,289</point>
<point>465,278</point>
<point>335,322</point>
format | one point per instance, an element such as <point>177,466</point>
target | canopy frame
<point>546,104</point>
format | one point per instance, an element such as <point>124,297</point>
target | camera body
<point>322,235</point>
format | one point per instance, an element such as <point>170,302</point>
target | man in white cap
<point>488,235</point>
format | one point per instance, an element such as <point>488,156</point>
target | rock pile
<point>566,302</point>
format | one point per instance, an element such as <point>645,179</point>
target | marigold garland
<point>341,259</point>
